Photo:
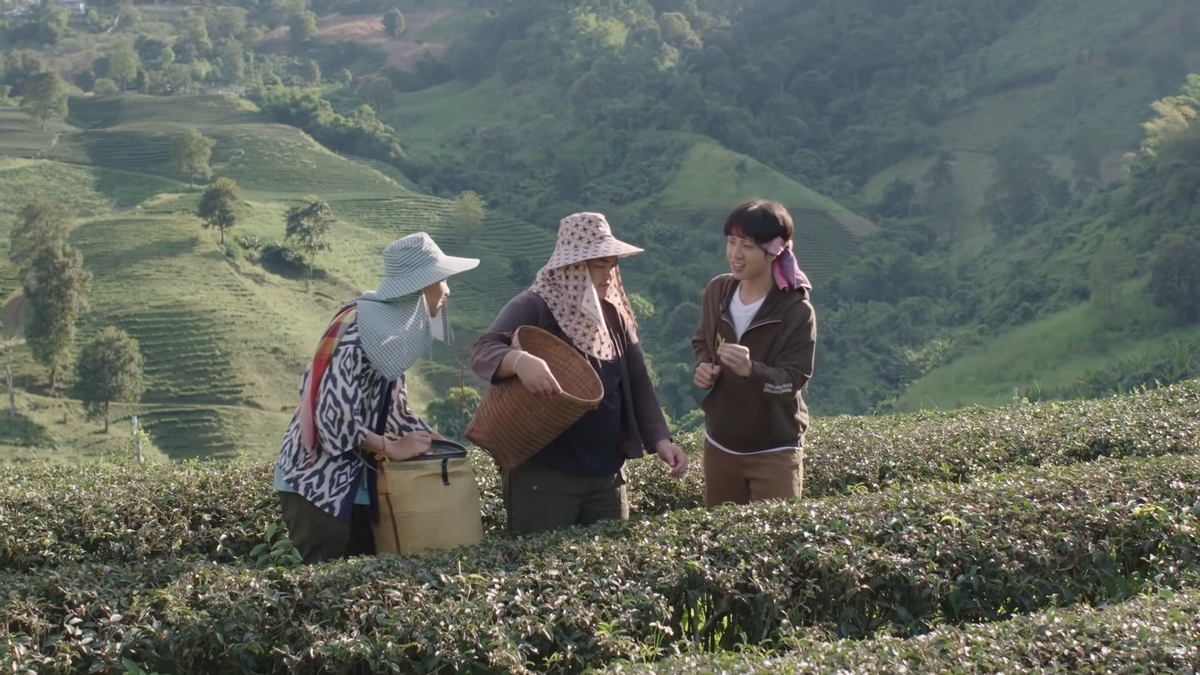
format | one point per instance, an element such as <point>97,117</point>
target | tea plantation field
<point>1029,538</point>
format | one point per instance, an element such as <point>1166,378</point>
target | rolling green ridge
<point>997,202</point>
<point>661,115</point>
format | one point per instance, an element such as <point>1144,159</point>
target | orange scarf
<point>320,364</point>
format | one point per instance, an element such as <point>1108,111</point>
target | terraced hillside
<point>225,340</point>
<point>27,179</point>
<point>481,293</point>
<point>277,165</point>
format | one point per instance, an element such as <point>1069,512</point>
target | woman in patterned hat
<point>579,478</point>
<point>353,393</point>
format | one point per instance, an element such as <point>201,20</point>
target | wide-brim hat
<point>413,262</point>
<point>585,236</point>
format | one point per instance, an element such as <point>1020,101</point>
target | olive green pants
<point>320,536</point>
<point>540,499</point>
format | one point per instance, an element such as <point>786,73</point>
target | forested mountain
<point>989,193</point>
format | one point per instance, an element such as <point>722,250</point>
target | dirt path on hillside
<point>402,53</point>
<point>10,315</point>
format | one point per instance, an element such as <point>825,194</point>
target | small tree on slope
<point>109,368</point>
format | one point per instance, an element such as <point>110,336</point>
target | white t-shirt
<point>741,313</point>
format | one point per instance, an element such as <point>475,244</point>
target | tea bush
<point>1147,634</point>
<point>896,562</point>
<point>53,514</point>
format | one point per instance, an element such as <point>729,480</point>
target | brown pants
<point>540,499</point>
<point>319,536</point>
<point>741,479</point>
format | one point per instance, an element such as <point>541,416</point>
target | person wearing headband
<point>754,351</point>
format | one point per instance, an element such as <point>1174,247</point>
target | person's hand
<point>672,456</point>
<point>536,376</point>
<point>410,445</point>
<point>736,358</point>
<point>706,375</point>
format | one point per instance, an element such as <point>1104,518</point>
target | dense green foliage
<point>928,523</point>
<point>1155,631</point>
<point>220,512</point>
<point>894,562</point>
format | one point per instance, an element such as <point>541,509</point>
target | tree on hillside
<point>302,27</point>
<point>1086,157</point>
<point>467,213</point>
<point>109,369</point>
<point>1104,271</point>
<point>393,22</point>
<point>195,43</point>
<point>191,154</point>
<point>123,63</point>
<point>312,72</point>
<point>1025,190</point>
<point>520,270</point>
<point>10,333</point>
<point>232,55</point>
<point>57,291</point>
<point>1175,116</point>
<point>220,205</point>
<point>128,16</point>
<point>44,96</point>
<point>8,379</point>
<point>40,224</point>
<point>377,91</point>
<point>452,414</point>
<point>1175,276</point>
<point>49,22</point>
<point>308,226</point>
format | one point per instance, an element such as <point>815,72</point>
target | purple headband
<point>785,269</point>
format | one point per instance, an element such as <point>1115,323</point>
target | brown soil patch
<point>11,316</point>
<point>402,53</point>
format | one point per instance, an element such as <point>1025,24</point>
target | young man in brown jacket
<point>754,354</point>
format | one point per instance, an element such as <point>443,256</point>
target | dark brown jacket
<point>648,426</point>
<point>765,410</point>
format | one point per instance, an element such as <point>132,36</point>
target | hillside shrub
<point>1151,633</point>
<point>220,510</point>
<point>898,562</point>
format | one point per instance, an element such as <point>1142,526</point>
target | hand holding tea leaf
<point>736,358</point>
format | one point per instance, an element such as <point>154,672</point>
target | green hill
<point>224,339</point>
<point>1080,90</point>
<point>894,137</point>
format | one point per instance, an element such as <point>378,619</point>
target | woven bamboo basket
<point>511,424</point>
<point>429,502</point>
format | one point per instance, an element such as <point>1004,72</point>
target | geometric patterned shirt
<point>347,405</point>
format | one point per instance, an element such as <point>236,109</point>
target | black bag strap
<point>380,427</point>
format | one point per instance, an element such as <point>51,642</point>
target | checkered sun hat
<point>413,262</point>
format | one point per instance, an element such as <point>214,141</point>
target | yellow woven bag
<point>429,502</point>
